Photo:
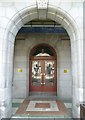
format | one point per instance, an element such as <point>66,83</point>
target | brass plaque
<point>66,71</point>
<point>19,70</point>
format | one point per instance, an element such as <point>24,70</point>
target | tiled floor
<point>15,105</point>
<point>40,108</point>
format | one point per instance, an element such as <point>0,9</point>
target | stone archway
<point>13,26</point>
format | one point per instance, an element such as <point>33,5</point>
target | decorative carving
<point>42,4</point>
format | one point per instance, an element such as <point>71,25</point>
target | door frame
<point>31,57</point>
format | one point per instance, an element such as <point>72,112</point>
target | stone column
<point>77,88</point>
<point>6,69</point>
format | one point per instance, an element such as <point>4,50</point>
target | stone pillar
<point>77,84</point>
<point>83,51</point>
<point>6,66</point>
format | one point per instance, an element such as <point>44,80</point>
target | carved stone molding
<point>42,4</point>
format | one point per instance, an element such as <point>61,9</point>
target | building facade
<point>16,50</point>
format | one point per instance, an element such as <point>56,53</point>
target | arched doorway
<point>43,76</point>
<point>10,30</point>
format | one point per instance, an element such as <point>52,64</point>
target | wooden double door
<point>43,75</point>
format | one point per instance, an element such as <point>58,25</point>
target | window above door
<point>43,50</point>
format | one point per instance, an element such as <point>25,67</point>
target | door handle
<point>42,74</point>
<point>43,83</point>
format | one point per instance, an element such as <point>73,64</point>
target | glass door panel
<point>43,76</point>
<point>49,73</point>
<point>36,73</point>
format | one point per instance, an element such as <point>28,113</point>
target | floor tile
<point>68,105</point>
<point>53,106</point>
<point>17,100</point>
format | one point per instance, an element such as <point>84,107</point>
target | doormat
<point>42,108</point>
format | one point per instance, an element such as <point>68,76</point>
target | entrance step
<point>35,95</point>
<point>40,118</point>
<point>42,97</point>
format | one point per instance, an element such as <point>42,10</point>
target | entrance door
<point>43,76</point>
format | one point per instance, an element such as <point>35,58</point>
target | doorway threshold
<point>42,97</point>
